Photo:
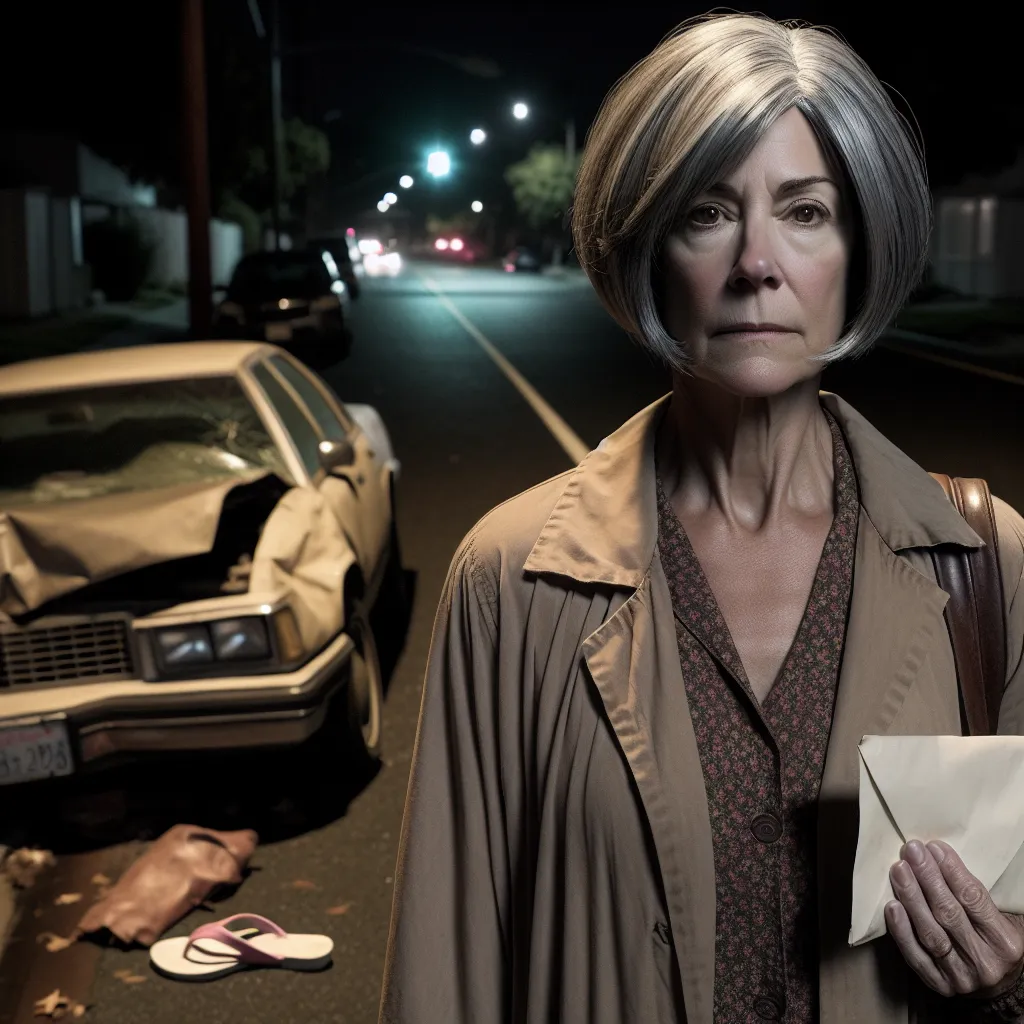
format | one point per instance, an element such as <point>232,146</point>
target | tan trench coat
<point>556,819</point>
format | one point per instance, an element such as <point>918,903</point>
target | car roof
<point>130,365</point>
<point>280,256</point>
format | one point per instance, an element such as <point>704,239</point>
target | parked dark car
<point>522,259</point>
<point>338,248</point>
<point>295,299</point>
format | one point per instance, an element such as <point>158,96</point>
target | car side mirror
<point>335,454</point>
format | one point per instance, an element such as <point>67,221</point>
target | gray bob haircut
<point>692,110</point>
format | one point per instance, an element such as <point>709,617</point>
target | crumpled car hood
<point>50,550</point>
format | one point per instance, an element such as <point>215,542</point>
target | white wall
<point>25,281</point>
<point>168,232</point>
<point>977,246</point>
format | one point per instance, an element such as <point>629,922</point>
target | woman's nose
<point>756,263</point>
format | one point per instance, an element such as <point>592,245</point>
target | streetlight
<point>405,181</point>
<point>520,111</point>
<point>477,135</point>
<point>390,198</point>
<point>439,163</point>
<point>383,207</point>
<point>477,206</point>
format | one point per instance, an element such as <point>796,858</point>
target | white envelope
<point>967,791</point>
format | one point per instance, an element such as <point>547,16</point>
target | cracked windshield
<point>93,442</point>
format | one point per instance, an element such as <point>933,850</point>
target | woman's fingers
<point>916,956</point>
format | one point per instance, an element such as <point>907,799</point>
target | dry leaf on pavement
<point>55,943</point>
<point>301,883</point>
<point>23,866</point>
<point>336,911</point>
<point>56,1005</point>
<point>129,977</point>
<point>67,898</point>
<point>101,880</point>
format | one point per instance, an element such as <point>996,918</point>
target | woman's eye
<point>806,213</point>
<point>705,216</point>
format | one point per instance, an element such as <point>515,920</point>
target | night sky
<point>111,73</point>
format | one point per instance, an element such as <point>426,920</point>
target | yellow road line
<point>573,446</point>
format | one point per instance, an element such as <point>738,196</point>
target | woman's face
<point>770,245</point>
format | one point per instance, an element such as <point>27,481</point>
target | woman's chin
<point>758,376</point>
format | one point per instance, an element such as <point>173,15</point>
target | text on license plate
<point>30,752</point>
<point>279,332</point>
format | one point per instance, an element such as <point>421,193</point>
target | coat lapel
<point>895,620</point>
<point>633,659</point>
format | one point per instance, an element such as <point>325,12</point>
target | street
<point>467,440</point>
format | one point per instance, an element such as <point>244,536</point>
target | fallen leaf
<point>23,866</point>
<point>67,898</point>
<point>57,1005</point>
<point>55,943</point>
<point>301,883</point>
<point>337,911</point>
<point>125,972</point>
<point>101,880</point>
<point>128,977</point>
<point>46,1006</point>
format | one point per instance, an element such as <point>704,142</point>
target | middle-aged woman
<point>634,788</point>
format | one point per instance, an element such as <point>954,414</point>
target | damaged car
<point>192,538</point>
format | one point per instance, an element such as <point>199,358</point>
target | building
<point>978,244</point>
<point>51,186</point>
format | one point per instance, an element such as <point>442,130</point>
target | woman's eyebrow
<point>785,189</point>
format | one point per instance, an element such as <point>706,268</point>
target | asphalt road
<point>467,440</point>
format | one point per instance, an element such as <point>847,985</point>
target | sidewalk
<point>147,326</point>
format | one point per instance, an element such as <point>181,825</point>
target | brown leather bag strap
<point>974,614</point>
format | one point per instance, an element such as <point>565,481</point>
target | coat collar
<point>604,526</point>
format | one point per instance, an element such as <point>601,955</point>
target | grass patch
<point>991,320</point>
<point>55,336</point>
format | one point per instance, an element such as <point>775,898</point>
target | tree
<point>542,185</point>
<point>240,166</point>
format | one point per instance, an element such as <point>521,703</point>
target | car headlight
<point>231,311</point>
<point>240,638</point>
<point>182,648</point>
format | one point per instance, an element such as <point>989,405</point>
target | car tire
<point>364,696</point>
<point>345,342</point>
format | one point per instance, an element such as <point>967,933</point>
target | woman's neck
<point>754,462</point>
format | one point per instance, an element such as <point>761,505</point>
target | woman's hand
<point>947,927</point>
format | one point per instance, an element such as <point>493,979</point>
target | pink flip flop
<point>213,951</point>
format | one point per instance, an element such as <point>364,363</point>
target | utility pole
<point>196,171</point>
<point>277,128</point>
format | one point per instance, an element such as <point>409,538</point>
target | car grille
<point>65,650</point>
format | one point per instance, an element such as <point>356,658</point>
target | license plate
<point>279,332</point>
<point>31,752</point>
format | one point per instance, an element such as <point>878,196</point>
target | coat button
<point>767,1008</point>
<point>767,829</point>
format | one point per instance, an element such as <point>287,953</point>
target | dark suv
<point>297,300</point>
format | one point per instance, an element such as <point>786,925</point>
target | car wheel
<point>364,703</point>
<point>345,342</point>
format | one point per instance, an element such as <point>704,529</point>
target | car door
<point>366,475</point>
